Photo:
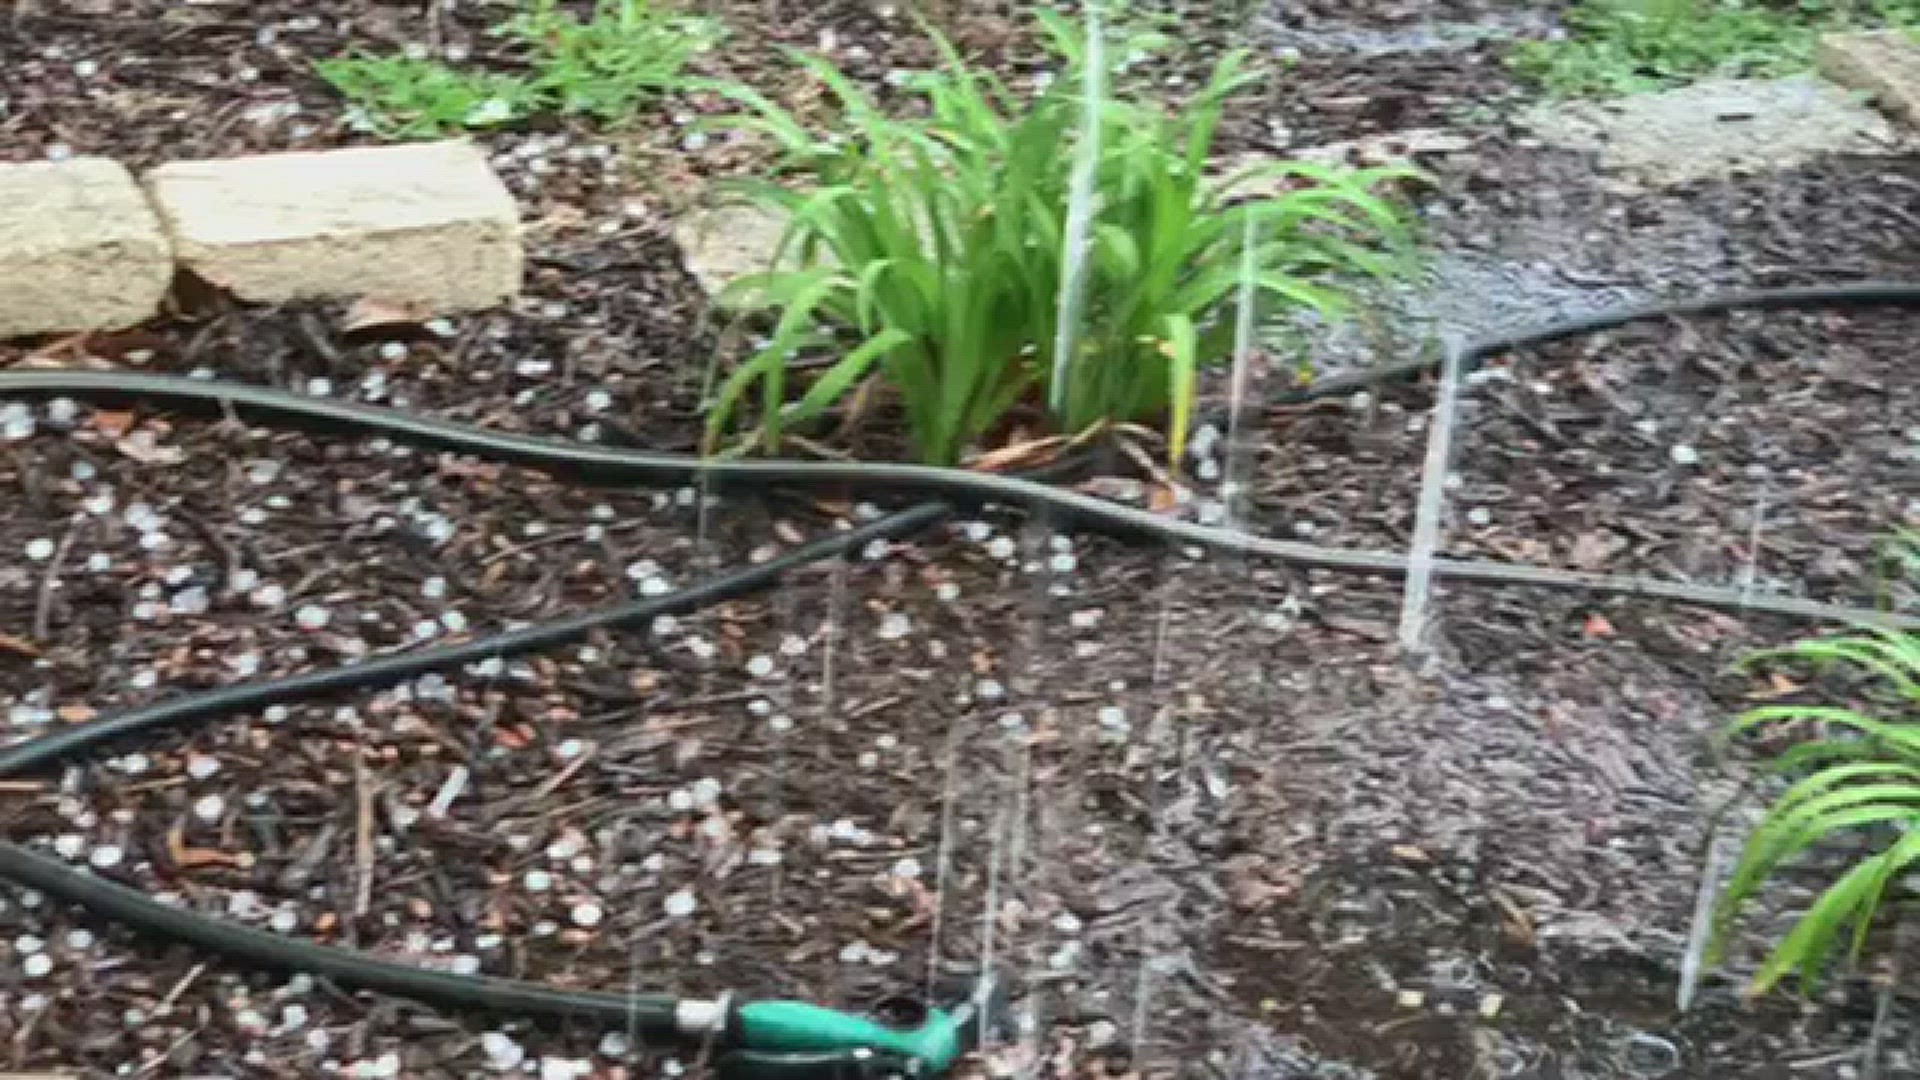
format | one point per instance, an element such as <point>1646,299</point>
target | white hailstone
<point>538,881</point>
<point>868,759</point>
<point>1067,923</point>
<point>132,764</point>
<point>614,1044</point>
<point>570,749</point>
<point>1086,619</point>
<point>243,580</point>
<point>655,586</point>
<point>142,518</point>
<point>1062,563</point>
<point>99,505</point>
<point>16,421</point>
<point>393,350</point>
<point>433,588</point>
<point>37,966</point>
<point>190,601</point>
<point>40,549</point>
<point>563,849</point>
<point>319,387</point>
<point>599,400</point>
<point>907,868</point>
<point>533,369</point>
<point>780,724</point>
<point>553,1068</point>
<point>424,629</point>
<point>701,648</point>
<point>977,531</point>
<point>1207,470</point>
<point>202,766</point>
<point>27,943</point>
<point>1113,717</point>
<point>253,515</point>
<point>947,591</point>
<point>293,1016</point>
<point>284,921</point>
<point>275,714</point>
<point>665,625</point>
<point>464,965</point>
<point>69,845</point>
<point>29,714</point>
<point>706,792</point>
<point>654,863</point>
<point>895,626</point>
<point>680,800</point>
<point>1480,515</point>
<point>760,707</point>
<point>269,595</point>
<point>80,940</point>
<point>760,666</point>
<point>99,562</point>
<point>145,679</point>
<point>146,611</point>
<point>854,953</point>
<point>208,808</point>
<point>82,471</point>
<point>312,617</point>
<point>319,1039</point>
<point>875,550</point>
<point>989,690</point>
<point>587,914</point>
<point>1000,547</point>
<point>440,327</point>
<point>680,903</point>
<point>764,857</point>
<point>1682,454</point>
<point>105,857</point>
<point>503,1054</point>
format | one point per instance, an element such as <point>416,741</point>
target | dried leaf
<point>112,423</point>
<point>372,313</point>
<point>142,447</point>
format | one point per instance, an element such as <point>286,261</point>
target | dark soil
<point>1225,828</point>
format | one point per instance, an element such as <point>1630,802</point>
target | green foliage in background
<point>930,251</point>
<point>1862,776</point>
<point>1625,46</point>
<point>605,66</point>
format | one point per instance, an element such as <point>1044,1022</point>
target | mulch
<point>1222,827</point>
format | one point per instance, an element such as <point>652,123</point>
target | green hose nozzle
<point>795,1040</point>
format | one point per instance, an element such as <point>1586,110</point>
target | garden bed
<point>1229,831</point>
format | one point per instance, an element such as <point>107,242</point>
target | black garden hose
<point>651,1017</point>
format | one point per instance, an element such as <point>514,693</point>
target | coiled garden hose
<point>753,1040</point>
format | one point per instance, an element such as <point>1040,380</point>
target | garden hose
<point>769,1040</point>
<point>585,462</point>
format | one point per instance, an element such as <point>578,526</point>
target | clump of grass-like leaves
<point>930,252</point>
<point>1863,775</point>
<point>604,66</point>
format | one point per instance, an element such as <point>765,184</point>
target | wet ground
<point>1201,809</point>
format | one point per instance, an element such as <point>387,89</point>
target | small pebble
<point>503,1054</point>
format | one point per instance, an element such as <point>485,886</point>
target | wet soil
<point>1225,828</point>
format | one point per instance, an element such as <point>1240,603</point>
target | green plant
<point>1863,776</point>
<point>930,249</point>
<point>1624,46</point>
<point>604,66</point>
<point>399,97</point>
